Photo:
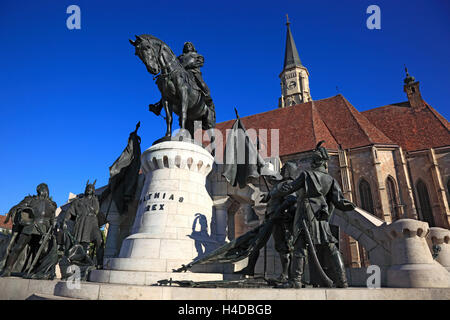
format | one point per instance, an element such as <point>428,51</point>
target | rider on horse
<point>192,62</point>
<point>183,90</point>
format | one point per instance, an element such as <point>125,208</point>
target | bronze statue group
<point>300,206</point>
<point>40,240</point>
<point>73,239</point>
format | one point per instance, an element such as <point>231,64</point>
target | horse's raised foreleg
<point>169,118</point>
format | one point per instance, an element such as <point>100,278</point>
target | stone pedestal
<point>412,263</point>
<point>440,237</point>
<point>172,224</point>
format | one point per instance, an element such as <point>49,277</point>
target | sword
<point>326,280</point>
<point>42,243</point>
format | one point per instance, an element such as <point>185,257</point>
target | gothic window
<point>424,202</point>
<point>365,195</point>
<point>392,196</point>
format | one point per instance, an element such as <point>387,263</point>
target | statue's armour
<point>44,214</point>
<point>191,61</point>
<point>43,209</point>
<point>92,204</point>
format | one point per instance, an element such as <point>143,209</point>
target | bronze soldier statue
<point>282,229</point>
<point>85,211</point>
<point>318,193</point>
<point>35,216</point>
<point>281,209</point>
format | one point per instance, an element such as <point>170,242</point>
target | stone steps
<point>42,296</point>
<point>21,289</point>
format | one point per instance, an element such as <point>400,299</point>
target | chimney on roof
<point>412,90</point>
<point>294,77</point>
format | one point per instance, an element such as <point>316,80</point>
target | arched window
<point>392,196</point>
<point>365,195</point>
<point>424,202</point>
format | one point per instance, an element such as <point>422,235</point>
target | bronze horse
<point>179,90</point>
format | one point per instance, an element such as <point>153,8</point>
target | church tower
<point>412,90</point>
<point>294,77</point>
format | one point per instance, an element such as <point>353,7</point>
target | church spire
<point>412,90</point>
<point>294,77</point>
<point>291,57</point>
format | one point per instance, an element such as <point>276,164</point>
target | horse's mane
<point>151,39</point>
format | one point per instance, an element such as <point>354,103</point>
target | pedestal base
<point>151,278</point>
<point>21,289</point>
<point>426,275</point>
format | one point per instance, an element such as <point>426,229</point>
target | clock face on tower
<point>291,85</point>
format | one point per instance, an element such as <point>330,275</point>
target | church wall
<point>388,169</point>
<point>361,167</point>
<point>405,187</point>
<point>441,177</point>
<point>443,160</point>
<point>420,169</point>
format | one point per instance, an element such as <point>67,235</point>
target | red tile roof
<point>302,126</point>
<point>412,128</point>
<point>3,224</point>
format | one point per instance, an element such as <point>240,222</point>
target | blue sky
<point>69,98</point>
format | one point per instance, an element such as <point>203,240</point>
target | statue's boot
<point>9,264</point>
<point>249,270</point>
<point>338,267</point>
<point>285,260</point>
<point>99,256</point>
<point>298,264</point>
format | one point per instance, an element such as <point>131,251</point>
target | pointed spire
<point>408,79</point>
<point>291,57</point>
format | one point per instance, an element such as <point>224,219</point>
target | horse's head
<point>147,48</point>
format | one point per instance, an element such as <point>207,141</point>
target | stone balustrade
<point>440,237</point>
<point>412,263</point>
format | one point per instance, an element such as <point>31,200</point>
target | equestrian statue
<point>179,80</point>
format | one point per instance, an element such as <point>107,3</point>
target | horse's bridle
<point>161,74</point>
